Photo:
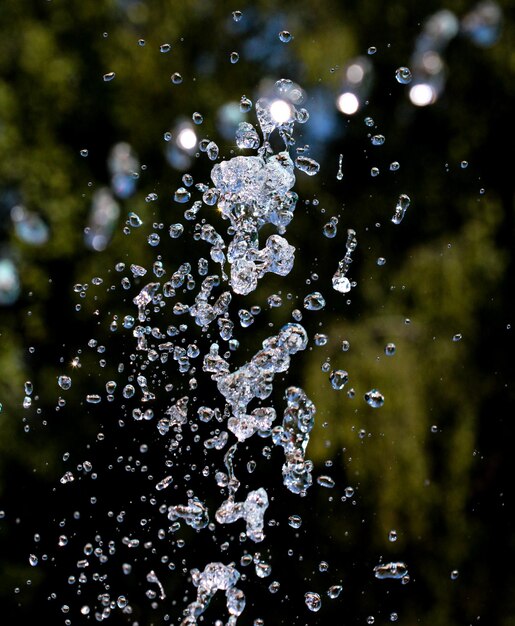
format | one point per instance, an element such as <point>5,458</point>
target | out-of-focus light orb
<point>422,95</point>
<point>280,111</point>
<point>9,282</point>
<point>432,62</point>
<point>348,103</point>
<point>187,139</point>
<point>355,73</point>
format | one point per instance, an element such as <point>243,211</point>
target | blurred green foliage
<point>448,270</point>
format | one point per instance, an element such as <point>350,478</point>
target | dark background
<point>434,463</point>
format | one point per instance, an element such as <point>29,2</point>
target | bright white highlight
<point>348,103</point>
<point>422,94</point>
<point>187,139</point>
<point>280,111</point>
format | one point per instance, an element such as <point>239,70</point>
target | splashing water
<point>251,193</point>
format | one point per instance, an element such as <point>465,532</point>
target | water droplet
<point>84,153</point>
<point>245,104</point>
<point>212,151</point>
<point>457,337</point>
<point>389,349</point>
<point>372,50</point>
<point>374,398</point>
<point>394,617</point>
<point>331,228</point>
<point>109,76</point>
<point>285,36</point>
<point>340,282</point>
<point>165,47</point>
<point>403,75</point>
<point>454,574</point>
<point>65,382</point>
<point>247,137</point>
<point>134,220</point>
<point>394,166</point>
<point>326,481</point>
<point>307,165</point>
<point>320,339</point>
<point>295,521</point>
<point>33,560</point>
<point>314,301</point>
<point>381,261</point>
<point>339,379</point>
<point>374,172</point>
<point>400,209</point>
<point>128,391</point>
<point>237,15</point>
<point>371,619</point>
<point>323,566</point>
<point>313,601</point>
<point>176,78</point>
<point>392,536</point>
<point>464,165</point>
<point>345,345</point>
<point>93,398</point>
<point>197,118</point>
<point>391,570</point>
<point>339,173</point>
<point>181,195</point>
<point>377,140</point>
<point>234,57</point>
<point>153,239</point>
<point>334,591</point>
<point>274,586</point>
<point>176,230</point>
<point>141,42</point>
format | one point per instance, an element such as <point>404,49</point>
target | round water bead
<point>65,382</point>
<point>374,398</point>
<point>339,379</point>
<point>295,521</point>
<point>234,57</point>
<point>285,36</point>
<point>403,75</point>
<point>197,118</point>
<point>245,104</point>
<point>314,301</point>
<point>313,601</point>
<point>389,349</point>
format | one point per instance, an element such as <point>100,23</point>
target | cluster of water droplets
<point>250,192</point>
